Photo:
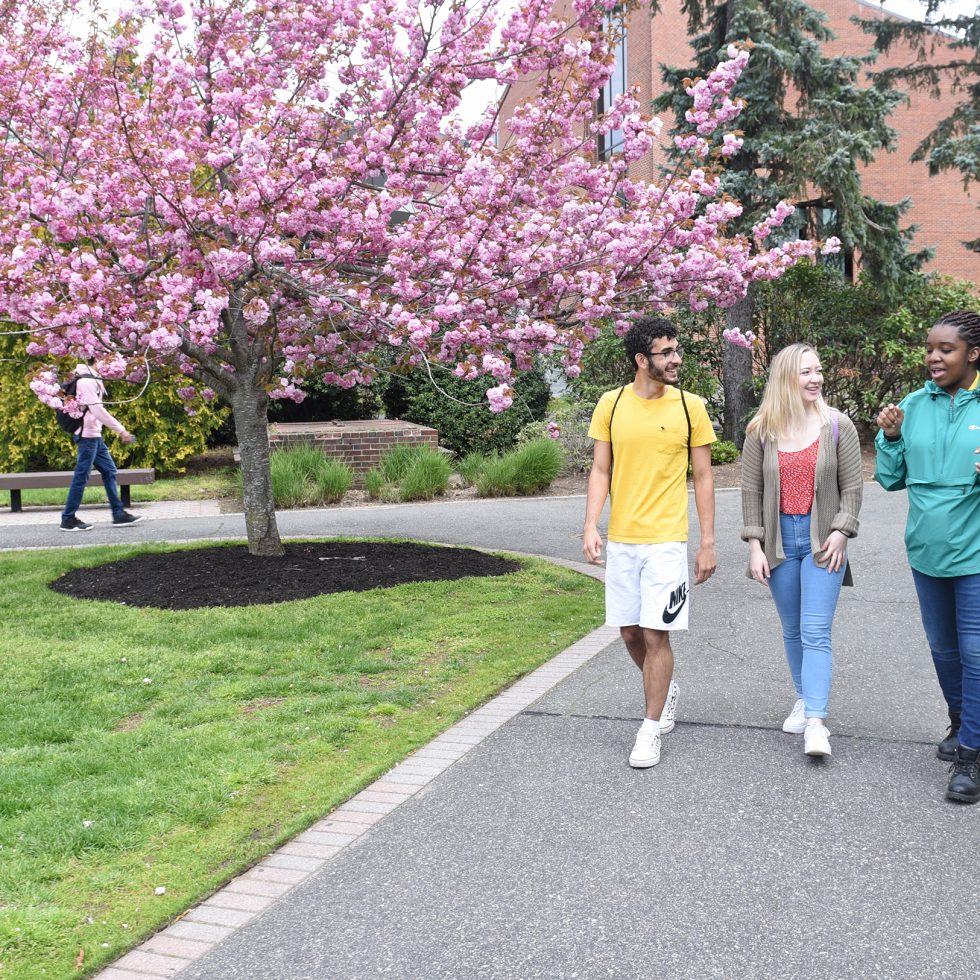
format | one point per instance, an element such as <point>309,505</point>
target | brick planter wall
<point>359,444</point>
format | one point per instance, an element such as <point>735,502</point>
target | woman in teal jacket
<point>928,445</point>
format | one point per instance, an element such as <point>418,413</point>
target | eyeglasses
<point>667,352</point>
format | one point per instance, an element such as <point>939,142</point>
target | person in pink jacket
<point>92,451</point>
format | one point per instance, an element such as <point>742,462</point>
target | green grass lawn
<point>210,485</point>
<point>142,748</point>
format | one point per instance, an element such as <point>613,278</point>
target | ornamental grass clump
<point>376,486</point>
<point>530,469</point>
<point>303,476</point>
<point>288,478</point>
<point>332,480</point>
<point>426,477</point>
<point>407,473</point>
<point>470,467</point>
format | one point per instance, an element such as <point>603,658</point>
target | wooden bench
<point>15,482</point>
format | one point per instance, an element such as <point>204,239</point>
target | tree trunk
<point>250,410</point>
<point>736,368</point>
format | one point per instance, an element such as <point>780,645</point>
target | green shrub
<point>471,465</point>
<point>870,343</point>
<point>529,469</point>
<point>464,420</point>
<point>604,364</point>
<point>324,403</point>
<point>723,451</point>
<point>572,419</point>
<point>166,436</point>
<point>871,352</point>
<point>304,476</point>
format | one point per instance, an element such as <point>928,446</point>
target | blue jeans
<point>92,452</point>
<point>806,597</point>
<point>950,610</point>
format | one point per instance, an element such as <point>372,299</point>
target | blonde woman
<point>802,482</point>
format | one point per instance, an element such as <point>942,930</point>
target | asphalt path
<point>542,854</point>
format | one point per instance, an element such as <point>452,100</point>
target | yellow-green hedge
<point>166,435</point>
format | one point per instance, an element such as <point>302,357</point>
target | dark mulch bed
<point>232,577</point>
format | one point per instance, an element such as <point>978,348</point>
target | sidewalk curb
<point>202,927</point>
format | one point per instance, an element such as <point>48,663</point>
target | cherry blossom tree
<point>247,194</point>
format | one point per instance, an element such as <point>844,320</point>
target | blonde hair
<point>782,408</point>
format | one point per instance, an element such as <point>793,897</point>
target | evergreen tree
<point>808,126</point>
<point>945,53</point>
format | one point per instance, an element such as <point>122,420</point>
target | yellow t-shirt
<point>649,476</point>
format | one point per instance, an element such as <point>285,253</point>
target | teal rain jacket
<point>934,460</point>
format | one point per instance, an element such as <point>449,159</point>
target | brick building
<point>945,213</point>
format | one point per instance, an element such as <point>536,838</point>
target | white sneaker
<point>795,722</point>
<point>646,750</point>
<point>816,741</point>
<point>670,709</point>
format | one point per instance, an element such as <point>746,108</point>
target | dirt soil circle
<point>230,576</point>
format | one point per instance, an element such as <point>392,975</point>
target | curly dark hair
<point>644,332</point>
<point>967,324</point>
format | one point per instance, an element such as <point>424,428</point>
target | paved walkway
<point>520,844</point>
<point>100,516</point>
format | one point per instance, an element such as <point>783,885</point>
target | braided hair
<point>966,323</point>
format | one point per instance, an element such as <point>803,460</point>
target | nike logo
<point>676,603</point>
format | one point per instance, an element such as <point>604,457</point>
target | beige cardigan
<point>838,486</point>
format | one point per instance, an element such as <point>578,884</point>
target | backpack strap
<point>687,415</point>
<point>611,453</point>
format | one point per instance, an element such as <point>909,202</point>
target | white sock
<point>650,726</point>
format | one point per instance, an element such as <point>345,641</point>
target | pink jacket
<point>90,391</point>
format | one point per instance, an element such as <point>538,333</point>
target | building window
<point>612,142</point>
<point>815,220</point>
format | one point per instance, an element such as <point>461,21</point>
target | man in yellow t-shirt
<point>644,434</point>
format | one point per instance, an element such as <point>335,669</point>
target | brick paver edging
<point>241,900</point>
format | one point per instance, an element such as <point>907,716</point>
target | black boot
<point>946,750</point>
<point>964,780</point>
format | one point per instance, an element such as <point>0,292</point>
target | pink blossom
<point>736,338</point>
<point>250,196</point>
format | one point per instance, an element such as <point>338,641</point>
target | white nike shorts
<point>647,585</point>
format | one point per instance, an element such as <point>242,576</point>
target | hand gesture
<point>592,546</point>
<point>127,437</point>
<point>890,420</point>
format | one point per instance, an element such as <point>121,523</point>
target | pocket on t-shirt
<point>672,440</point>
